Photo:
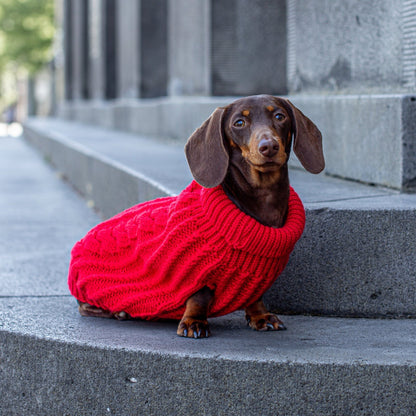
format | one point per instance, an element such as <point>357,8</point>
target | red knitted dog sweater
<point>149,259</point>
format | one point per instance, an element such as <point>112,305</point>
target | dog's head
<point>258,130</point>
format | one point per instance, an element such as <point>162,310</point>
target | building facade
<point>159,67</point>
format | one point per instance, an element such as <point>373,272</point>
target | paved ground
<point>41,218</point>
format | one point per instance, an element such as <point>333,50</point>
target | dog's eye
<point>279,117</point>
<point>239,123</point>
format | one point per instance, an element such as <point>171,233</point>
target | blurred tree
<point>27,30</point>
<point>27,33</point>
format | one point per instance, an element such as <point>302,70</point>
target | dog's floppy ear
<point>206,153</point>
<point>307,143</point>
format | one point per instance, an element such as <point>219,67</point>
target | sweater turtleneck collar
<point>245,233</point>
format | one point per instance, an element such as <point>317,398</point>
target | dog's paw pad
<point>266,322</point>
<point>193,328</point>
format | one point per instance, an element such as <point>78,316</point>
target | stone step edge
<point>137,186</point>
<point>100,364</point>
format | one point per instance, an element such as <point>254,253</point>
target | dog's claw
<point>282,327</point>
<point>185,333</point>
<point>270,326</point>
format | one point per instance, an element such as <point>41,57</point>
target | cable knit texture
<point>149,259</point>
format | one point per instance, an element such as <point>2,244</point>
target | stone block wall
<point>248,54</point>
<point>350,65</point>
<point>347,46</point>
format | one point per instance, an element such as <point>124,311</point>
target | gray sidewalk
<point>41,218</point>
<point>52,361</point>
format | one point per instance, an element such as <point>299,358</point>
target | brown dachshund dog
<point>245,147</point>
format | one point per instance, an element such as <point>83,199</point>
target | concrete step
<point>357,256</point>
<point>55,362</point>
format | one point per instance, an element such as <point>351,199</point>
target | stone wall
<point>346,46</point>
<point>350,66</point>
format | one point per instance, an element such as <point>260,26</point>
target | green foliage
<point>26,33</point>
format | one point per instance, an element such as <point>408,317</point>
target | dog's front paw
<point>193,328</point>
<point>265,322</point>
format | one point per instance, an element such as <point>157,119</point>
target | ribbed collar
<point>245,233</point>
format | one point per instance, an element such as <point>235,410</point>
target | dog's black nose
<point>268,147</point>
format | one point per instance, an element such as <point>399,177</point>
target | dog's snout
<point>268,147</point>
